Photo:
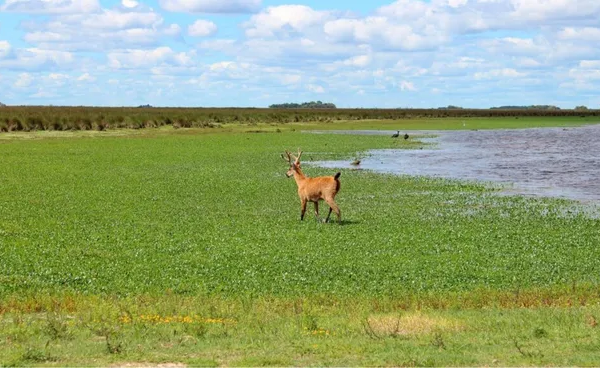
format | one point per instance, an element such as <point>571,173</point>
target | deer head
<point>293,161</point>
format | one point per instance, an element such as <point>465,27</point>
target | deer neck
<point>299,176</point>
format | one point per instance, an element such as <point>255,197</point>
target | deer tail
<point>337,176</point>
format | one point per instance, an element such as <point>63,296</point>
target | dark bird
<point>405,136</point>
<point>355,162</point>
<point>396,135</point>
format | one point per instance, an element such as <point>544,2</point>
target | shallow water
<point>555,162</point>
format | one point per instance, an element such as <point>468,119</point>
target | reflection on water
<point>554,162</point>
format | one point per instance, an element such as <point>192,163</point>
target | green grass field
<point>186,246</point>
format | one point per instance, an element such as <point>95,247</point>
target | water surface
<point>556,162</point>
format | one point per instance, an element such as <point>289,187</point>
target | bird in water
<point>405,136</point>
<point>396,135</point>
<point>355,162</point>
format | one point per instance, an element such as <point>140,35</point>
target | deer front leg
<point>303,210</point>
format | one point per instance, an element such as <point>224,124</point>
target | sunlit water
<point>556,162</point>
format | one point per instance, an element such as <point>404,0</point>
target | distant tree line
<point>450,107</point>
<point>304,105</point>
<point>530,107</point>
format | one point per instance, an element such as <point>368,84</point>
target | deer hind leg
<point>333,207</point>
<point>303,209</point>
<point>317,210</point>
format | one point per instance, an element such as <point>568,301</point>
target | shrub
<point>15,125</point>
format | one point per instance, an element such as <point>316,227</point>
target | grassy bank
<point>98,231</point>
<point>462,123</point>
<point>294,332</point>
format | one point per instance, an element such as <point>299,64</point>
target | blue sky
<point>404,53</point>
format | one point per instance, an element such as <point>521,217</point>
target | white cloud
<point>407,86</point>
<point>223,65</point>
<point>231,70</point>
<point>55,79</point>
<point>37,59</point>
<point>202,28</point>
<point>299,52</point>
<point>42,93</point>
<point>86,77</point>
<point>114,20</point>
<point>457,3</point>
<point>129,3</point>
<point>585,34</point>
<point>51,6</point>
<point>590,64</point>
<point>517,46</point>
<point>360,61</point>
<point>528,62</point>
<point>499,73</point>
<point>5,49</point>
<point>383,33</point>
<point>24,80</point>
<point>222,45</point>
<point>315,88</point>
<point>172,30</point>
<point>408,68</point>
<point>290,79</point>
<point>544,10</point>
<point>211,6</point>
<point>585,74</point>
<point>41,37</point>
<point>110,29</point>
<point>133,59</point>
<point>281,19</point>
<point>57,76</point>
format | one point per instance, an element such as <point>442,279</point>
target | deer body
<point>315,189</point>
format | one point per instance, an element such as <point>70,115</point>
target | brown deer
<point>314,189</point>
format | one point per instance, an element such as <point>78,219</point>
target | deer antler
<point>289,157</point>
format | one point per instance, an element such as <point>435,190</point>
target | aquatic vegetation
<point>214,214</point>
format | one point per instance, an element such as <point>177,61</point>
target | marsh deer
<point>314,189</point>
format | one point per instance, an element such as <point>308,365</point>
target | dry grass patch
<point>409,325</point>
<point>149,365</point>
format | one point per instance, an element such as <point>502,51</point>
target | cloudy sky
<point>376,53</point>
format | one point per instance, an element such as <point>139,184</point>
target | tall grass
<point>31,118</point>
